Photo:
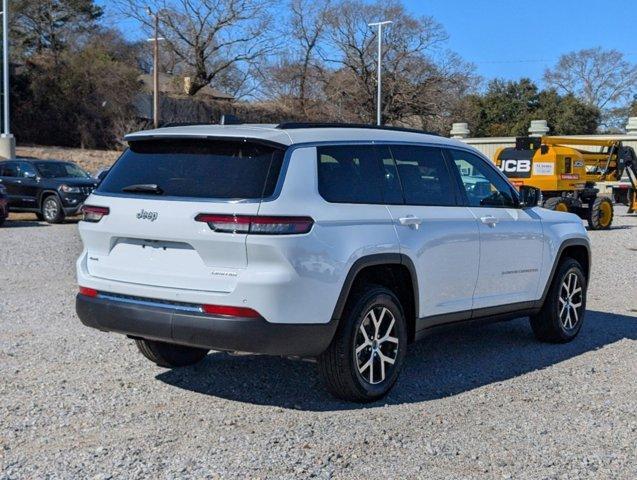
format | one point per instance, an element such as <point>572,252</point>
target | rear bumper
<point>254,335</point>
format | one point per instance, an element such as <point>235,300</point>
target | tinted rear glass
<point>198,168</point>
<point>349,174</point>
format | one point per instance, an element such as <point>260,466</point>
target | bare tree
<point>407,44</point>
<point>601,78</point>
<point>293,77</point>
<point>309,19</point>
<point>212,39</point>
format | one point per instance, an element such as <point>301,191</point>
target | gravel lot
<point>478,402</point>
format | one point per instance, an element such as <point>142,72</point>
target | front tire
<point>170,355</point>
<point>368,350</point>
<point>52,210</point>
<point>562,314</point>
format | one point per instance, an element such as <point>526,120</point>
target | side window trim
<point>379,158</point>
<point>461,196</point>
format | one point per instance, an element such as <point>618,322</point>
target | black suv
<point>4,204</point>
<point>51,189</point>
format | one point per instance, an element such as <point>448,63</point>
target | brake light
<point>91,213</point>
<point>230,311</point>
<point>279,225</point>
<point>89,292</point>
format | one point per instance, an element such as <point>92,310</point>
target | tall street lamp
<point>380,80</point>
<point>7,141</point>
<point>156,39</point>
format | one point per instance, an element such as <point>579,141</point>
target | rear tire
<point>562,314</point>
<point>170,355</point>
<point>600,213</point>
<point>368,350</point>
<point>52,209</point>
<point>556,203</point>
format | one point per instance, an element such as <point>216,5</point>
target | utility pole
<point>379,73</point>
<point>7,141</point>
<point>156,40</point>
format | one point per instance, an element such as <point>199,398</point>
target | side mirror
<point>30,175</point>
<point>530,196</point>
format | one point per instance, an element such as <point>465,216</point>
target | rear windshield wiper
<point>144,188</point>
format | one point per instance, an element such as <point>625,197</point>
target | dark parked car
<point>4,204</point>
<point>51,189</point>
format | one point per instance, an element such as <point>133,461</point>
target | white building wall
<point>489,145</point>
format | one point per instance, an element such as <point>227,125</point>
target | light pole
<point>156,41</point>
<point>7,141</point>
<point>380,80</point>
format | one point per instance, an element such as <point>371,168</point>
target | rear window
<point>198,169</point>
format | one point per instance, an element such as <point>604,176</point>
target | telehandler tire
<point>600,214</point>
<point>556,203</point>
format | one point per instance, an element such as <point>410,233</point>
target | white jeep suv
<point>338,243</point>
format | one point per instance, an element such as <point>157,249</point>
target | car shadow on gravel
<point>35,223</point>
<point>24,223</point>
<point>442,365</point>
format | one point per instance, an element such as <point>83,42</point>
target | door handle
<point>489,220</point>
<point>410,221</point>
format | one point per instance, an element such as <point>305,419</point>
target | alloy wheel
<point>376,345</point>
<point>50,209</point>
<point>570,301</point>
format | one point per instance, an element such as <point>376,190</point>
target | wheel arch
<point>576,248</point>
<point>391,270</point>
<point>44,194</point>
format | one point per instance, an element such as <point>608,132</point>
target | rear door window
<point>424,175</point>
<point>198,169</point>
<point>9,170</point>
<point>350,174</point>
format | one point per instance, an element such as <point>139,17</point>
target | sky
<point>520,38</point>
<point>514,39</point>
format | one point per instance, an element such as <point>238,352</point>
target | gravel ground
<point>477,402</point>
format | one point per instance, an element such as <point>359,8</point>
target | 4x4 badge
<point>144,215</point>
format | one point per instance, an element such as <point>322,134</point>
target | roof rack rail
<point>225,119</point>
<point>297,125</point>
<point>183,124</point>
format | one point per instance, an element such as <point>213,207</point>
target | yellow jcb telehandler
<point>568,175</point>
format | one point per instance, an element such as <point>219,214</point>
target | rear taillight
<point>225,310</point>
<point>255,224</point>
<point>91,213</point>
<point>88,292</point>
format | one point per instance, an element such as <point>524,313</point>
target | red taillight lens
<point>89,292</point>
<point>256,224</point>
<point>94,214</point>
<point>230,311</point>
